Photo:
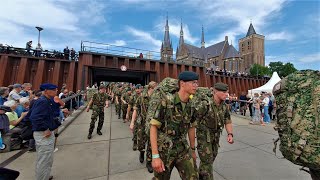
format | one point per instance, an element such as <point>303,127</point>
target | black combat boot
<point>141,157</point>
<point>89,136</point>
<point>99,132</point>
<point>149,167</point>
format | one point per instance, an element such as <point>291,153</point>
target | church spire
<point>251,30</point>
<point>202,39</point>
<point>181,40</point>
<point>166,40</point>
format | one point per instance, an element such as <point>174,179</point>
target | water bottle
<point>2,146</point>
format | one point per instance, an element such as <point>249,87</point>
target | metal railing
<point>97,47</point>
<point>75,98</point>
<point>6,49</point>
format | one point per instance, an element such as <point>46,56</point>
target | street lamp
<point>39,29</point>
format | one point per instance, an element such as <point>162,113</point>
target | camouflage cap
<point>221,87</point>
<point>188,76</point>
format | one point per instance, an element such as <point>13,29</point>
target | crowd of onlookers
<point>16,102</point>
<point>29,50</point>
<point>262,107</point>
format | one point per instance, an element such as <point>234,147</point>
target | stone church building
<point>221,55</point>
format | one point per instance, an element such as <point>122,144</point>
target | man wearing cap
<point>98,102</point>
<point>14,94</point>
<point>211,116</point>
<point>43,125</point>
<point>171,120</point>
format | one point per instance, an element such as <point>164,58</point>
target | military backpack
<point>298,114</point>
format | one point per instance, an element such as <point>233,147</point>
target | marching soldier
<point>98,102</point>
<point>138,124</point>
<point>124,102</point>
<point>170,120</point>
<point>211,114</point>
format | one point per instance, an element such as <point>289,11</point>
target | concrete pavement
<point>110,156</point>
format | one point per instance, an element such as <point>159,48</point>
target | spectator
<point>26,90</point>
<point>14,94</point>
<point>243,103</point>
<point>265,102</point>
<point>4,120</point>
<point>271,104</point>
<point>4,92</point>
<point>61,92</point>
<point>141,55</point>
<point>73,54</point>
<point>28,47</point>
<point>13,117</point>
<point>23,106</point>
<point>257,119</point>
<point>38,50</point>
<point>43,124</point>
<point>66,53</point>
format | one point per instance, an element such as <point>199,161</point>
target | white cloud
<point>144,36</point>
<point>238,12</point>
<point>311,58</point>
<point>62,20</point>
<point>283,35</point>
<point>119,43</point>
<point>311,61</point>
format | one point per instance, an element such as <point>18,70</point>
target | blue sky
<point>291,28</point>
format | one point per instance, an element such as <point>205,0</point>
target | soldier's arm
<point>89,104</point>
<point>154,139</point>
<point>123,100</point>
<point>192,137</point>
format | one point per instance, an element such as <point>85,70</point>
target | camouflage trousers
<point>124,108</point>
<point>180,157</point>
<point>208,144</point>
<point>118,109</point>
<point>94,116</point>
<point>141,137</point>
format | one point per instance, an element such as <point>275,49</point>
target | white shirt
<point>60,95</point>
<point>266,101</point>
<point>13,95</point>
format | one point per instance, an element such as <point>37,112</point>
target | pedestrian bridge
<point>110,156</point>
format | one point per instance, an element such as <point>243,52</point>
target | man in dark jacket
<point>43,126</point>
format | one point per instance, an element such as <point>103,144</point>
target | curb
<point>70,119</point>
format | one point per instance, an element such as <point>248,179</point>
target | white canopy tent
<point>268,86</point>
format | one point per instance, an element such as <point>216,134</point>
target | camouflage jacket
<point>99,100</point>
<point>207,112</point>
<point>141,104</point>
<point>126,97</point>
<point>172,117</point>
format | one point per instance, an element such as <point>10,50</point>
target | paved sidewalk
<point>110,156</point>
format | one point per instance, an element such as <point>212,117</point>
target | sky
<point>291,28</point>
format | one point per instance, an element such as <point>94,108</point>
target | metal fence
<point>6,49</point>
<point>119,50</point>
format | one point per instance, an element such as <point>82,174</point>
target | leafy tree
<point>259,70</point>
<point>282,69</point>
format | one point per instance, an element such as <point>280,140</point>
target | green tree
<point>258,70</point>
<point>282,69</point>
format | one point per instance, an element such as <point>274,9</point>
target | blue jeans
<point>266,117</point>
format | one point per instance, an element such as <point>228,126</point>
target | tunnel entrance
<point>116,75</point>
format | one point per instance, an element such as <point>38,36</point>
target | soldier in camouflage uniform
<point>134,96</point>
<point>171,119</point>
<point>125,97</point>
<point>117,93</point>
<point>138,124</point>
<point>98,102</point>
<point>211,114</point>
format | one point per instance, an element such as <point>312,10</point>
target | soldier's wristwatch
<point>230,134</point>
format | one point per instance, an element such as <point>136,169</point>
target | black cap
<point>188,76</point>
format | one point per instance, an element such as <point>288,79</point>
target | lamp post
<point>39,29</point>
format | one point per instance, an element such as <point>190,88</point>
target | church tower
<point>166,47</point>
<point>251,49</point>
